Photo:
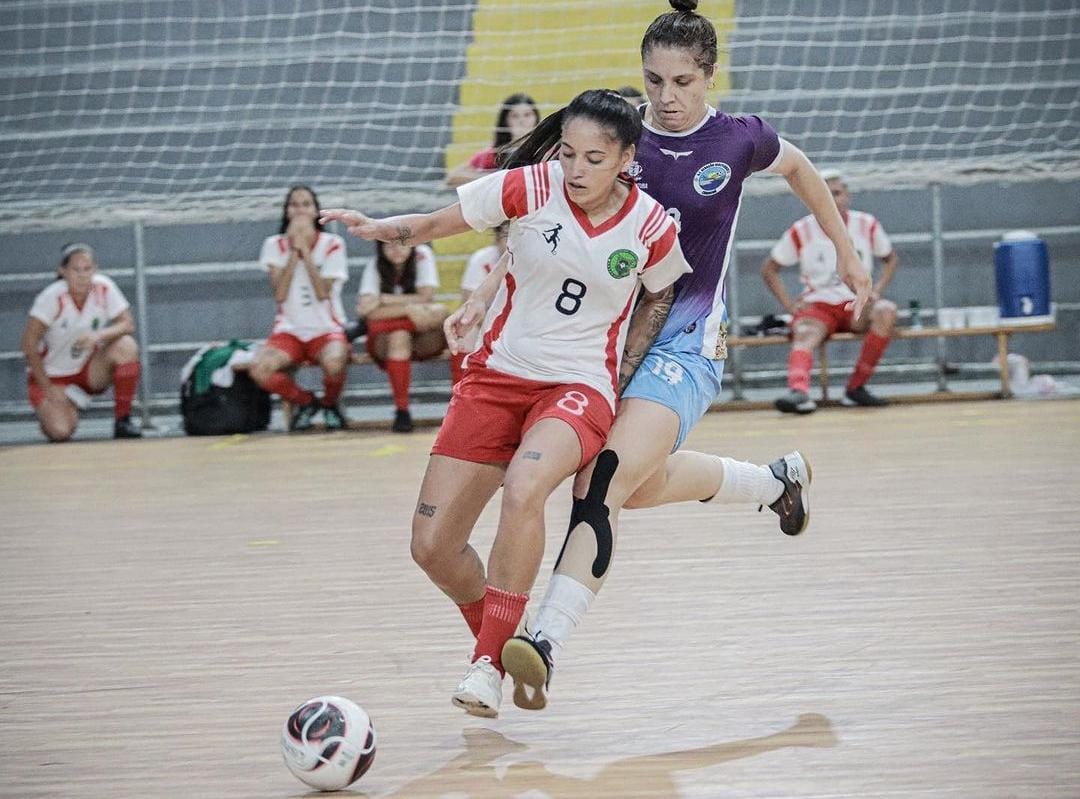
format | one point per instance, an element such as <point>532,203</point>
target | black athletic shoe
<point>861,397</point>
<point>334,418</point>
<point>125,428</point>
<point>792,506</point>
<point>304,417</point>
<point>528,661</point>
<point>795,402</point>
<point>402,422</point>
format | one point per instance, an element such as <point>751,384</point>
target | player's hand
<point>851,271</point>
<point>359,225</point>
<point>301,234</point>
<point>87,341</point>
<point>459,324</point>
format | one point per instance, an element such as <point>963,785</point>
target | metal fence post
<point>142,318</point>
<point>734,329</point>
<point>939,276</point>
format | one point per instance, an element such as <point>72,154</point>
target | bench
<point>1001,332</point>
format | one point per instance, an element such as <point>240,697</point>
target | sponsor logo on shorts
<point>621,263</point>
<point>712,178</point>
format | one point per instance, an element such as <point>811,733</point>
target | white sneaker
<point>480,691</point>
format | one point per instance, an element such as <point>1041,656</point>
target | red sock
<point>502,613</point>
<point>474,615</point>
<point>400,373</point>
<point>285,387</point>
<point>872,349</point>
<point>125,379</point>
<point>332,385</point>
<point>457,367</point>
<point>799,364</point>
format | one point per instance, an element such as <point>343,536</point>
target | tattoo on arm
<point>647,320</point>
<point>531,455</point>
<point>404,233</point>
<point>426,510</point>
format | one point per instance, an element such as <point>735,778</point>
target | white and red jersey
<point>806,244</point>
<point>67,322</point>
<point>303,314</point>
<point>562,312</point>
<point>427,273</point>
<point>479,266</point>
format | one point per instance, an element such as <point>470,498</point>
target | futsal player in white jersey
<point>539,394</point>
<point>481,264</point>
<point>78,341</point>
<point>307,268</point>
<point>824,307</point>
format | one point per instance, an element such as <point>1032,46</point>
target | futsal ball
<point>328,742</point>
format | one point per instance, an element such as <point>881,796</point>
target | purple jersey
<point>698,177</point>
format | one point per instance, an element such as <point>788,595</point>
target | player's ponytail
<point>686,29</point>
<point>603,106</point>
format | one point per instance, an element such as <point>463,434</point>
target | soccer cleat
<point>793,505</point>
<point>528,660</point>
<point>303,417</point>
<point>861,397</point>
<point>480,691</point>
<point>795,402</point>
<point>402,422</point>
<point>334,418</point>
<point>125,428</point>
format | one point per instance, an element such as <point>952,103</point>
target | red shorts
<point>304,352</point>
<point>80,379</point>
<point>490,412</point>
<point>836,318</point>
<point>379,327</point>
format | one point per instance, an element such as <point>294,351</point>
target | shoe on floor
<point>528,661</point>
<point>480,691</point>
<point>793,505</point>
<point>304,417</point>
<point>334,418</point>
<point>125,428</point>
<point>402,422</point>
<point>795,402</point>
<point>862,398</point>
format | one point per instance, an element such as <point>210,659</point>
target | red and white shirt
<point>427,273</point>
<point>302,314</point>
<point>562,312</point>
<point>479,266</point>
<point>806,244</point>
<point>67,322</point>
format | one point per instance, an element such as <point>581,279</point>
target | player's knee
<point>521,497</point>
<point>335,364</point>
<point>884,313</point>
<point>124,350</point>
<point>427,551</point>
<point>261,370</point>
<point>58,430</point>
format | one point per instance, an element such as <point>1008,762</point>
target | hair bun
<point>684,5</point>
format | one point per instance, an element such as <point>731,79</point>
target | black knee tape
<point>593,511</point>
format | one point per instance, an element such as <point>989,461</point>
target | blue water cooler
<point>1022,269</point>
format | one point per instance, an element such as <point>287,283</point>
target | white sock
<point>561,611</point>
<point>747,482</point>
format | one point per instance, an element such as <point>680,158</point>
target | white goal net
<point>179,110</point>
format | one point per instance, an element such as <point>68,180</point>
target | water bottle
<point>916,315</point>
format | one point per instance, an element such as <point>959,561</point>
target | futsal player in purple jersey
<point>693,159</point>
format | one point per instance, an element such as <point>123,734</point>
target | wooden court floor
<point>164,604</point>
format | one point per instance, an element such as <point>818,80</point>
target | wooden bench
<point>1001,332</point>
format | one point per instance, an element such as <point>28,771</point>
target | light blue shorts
<point>686,382</point>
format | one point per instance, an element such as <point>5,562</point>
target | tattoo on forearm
<point>531,455</point>
<point>646,322</point>
<point>404,233</point>
<point>426,510</point>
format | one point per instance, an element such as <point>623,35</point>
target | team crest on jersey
<point>634,170</point>
<point>712,178</point>
<point>621,263</point>
<point>94,325</point>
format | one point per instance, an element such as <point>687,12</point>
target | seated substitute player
<point>824,307</point>
<point>307,268</point>
<point>77,341</point>
<point>481,264</point>
<point>517,116</point>
<point>538,396</point>
<point>404,323</point>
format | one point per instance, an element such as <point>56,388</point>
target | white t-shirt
<point>427,273</point>
<point>806,244</point>
<point>66,322</point>
<point>562,312</point>
<point>302,314</point>
<point>479,266</point>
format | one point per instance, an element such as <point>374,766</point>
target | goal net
<point>178,110</point>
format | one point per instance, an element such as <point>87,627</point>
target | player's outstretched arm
<point>809,187</point>
<point>648,318</point>
<point>407,229</point>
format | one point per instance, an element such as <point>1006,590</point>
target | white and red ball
<point>328,742</point>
